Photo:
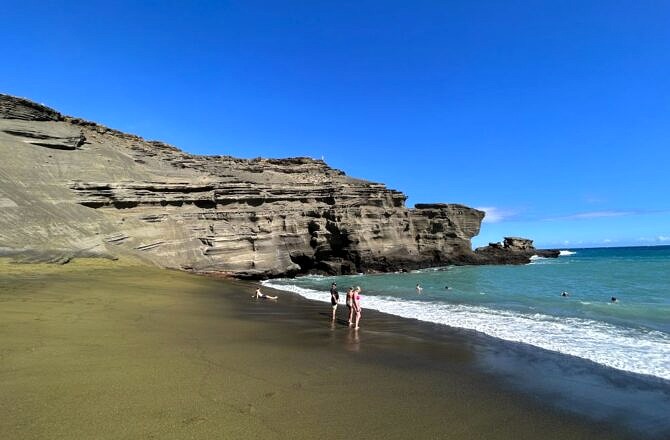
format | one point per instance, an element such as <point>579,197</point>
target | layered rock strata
<point>71,187</point>
<point>513,250</point>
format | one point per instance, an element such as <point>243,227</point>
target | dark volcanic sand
<point>100,349</point>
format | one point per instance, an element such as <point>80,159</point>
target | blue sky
<point>554,116</point>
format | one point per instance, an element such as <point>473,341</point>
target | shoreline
<point>135,351</point>
<point>583,334</point>
<point>581,388</point>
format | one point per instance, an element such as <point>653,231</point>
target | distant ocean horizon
<point>524,303</point>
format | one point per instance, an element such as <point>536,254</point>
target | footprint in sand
<point>194,420</point>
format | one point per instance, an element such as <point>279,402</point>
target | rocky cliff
<point>70,187</point>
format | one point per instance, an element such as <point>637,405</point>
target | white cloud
<point>663,238</point>
<point>495,215</point>
<point>593,199</point>
<point>593,214</point>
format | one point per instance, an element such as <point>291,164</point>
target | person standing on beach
<point>350,304</point>
<point>357,305</point>
<point>334,298</point>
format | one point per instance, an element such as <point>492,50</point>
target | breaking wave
<point>634,350</point>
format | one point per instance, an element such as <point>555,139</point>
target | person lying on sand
<point>259,294</point>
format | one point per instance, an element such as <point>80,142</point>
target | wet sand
<point>107,350</point>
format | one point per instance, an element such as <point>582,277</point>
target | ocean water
<point>524,303</point>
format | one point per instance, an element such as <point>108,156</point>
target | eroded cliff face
<point>70,187</point>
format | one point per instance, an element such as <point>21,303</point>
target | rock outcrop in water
<point>71,187</point>
<point>513,250</point>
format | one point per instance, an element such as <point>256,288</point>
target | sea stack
<point>513,250</point>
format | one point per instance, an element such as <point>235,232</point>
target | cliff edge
<point>71,187</point>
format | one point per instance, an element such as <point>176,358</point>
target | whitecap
<point>633,350</point>
<point>536,259</point>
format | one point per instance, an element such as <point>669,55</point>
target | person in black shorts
<point>334,298</point>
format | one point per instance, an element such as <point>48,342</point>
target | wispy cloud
<point>654,240</point>
<point>593,199</point>
<point>593,214</point>
<point>496,215</point>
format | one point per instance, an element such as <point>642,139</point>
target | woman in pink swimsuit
<point>357,305</point>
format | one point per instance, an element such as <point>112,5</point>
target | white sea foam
<point>566,253</point>
<point>631,350</point>
<point>536,259</point>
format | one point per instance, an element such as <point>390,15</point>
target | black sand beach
<point>101,349</point>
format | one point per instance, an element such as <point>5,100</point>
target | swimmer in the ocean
<point>564,293</point>
<point>418,288</point>
<point>614,299</point>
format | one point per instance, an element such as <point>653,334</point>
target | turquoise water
<point>524,303</point>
